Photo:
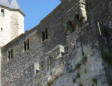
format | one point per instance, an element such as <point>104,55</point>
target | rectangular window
<point>2,12</point>
<point>45,35</point>
<point>26,45</point>
<point>10,55</point>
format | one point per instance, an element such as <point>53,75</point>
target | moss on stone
<point>78,75</point>
<point>106,57</point>
<point>50,82</point>
<point>80,84</point>
<point>74,80</point>
<point>84,59</point>
<point>94,80</point>
<point>78,66</point>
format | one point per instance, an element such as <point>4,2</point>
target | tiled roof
<point>13,5</point>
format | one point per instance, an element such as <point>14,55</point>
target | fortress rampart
<point>65,49</point>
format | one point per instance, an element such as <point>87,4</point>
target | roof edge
<point>13,9</point>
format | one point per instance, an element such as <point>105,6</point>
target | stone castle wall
<point>69,56</point>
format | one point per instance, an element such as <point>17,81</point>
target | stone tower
<point>11,21</point>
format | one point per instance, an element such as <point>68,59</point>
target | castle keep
<point>70,47</point>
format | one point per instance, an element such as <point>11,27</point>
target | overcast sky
<point>36,10</point>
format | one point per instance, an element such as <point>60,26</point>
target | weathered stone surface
<point>73,59</point>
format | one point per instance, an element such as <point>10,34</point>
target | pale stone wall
<point>12,24</point>
<point>16,24</point>
<point>0,66</point>
<point>21,23</point>
<point>5,24</point>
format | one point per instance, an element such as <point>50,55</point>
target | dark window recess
<point>37,71</point>
<point>70,24</point>
<point>70,28</point>
<point>2,12</point>
<point>81,19</point>
<point>77,16</point>
<point>26,45</point>
<point>10,54</point>
<point>1,29</point>
<point>45,35</point>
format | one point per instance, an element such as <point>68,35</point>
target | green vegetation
<point>38,82</point>
<point>106,57</point>
<point>50,82</point>
<point>80,84</point>
<point>84,59</point>
<point>42,84</point>
<point>78,66</point>
<point>94,80</point>
<point>74,80</point>
<point>78,75</point>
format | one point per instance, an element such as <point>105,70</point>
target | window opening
<point>77,17</point>
<point>26,45</point>
<point>1,29</point>
<point>70,28</point>
<point>10,54</point>
<point>43,36</point>
<point>2,12</point>
<point>46,33</point>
